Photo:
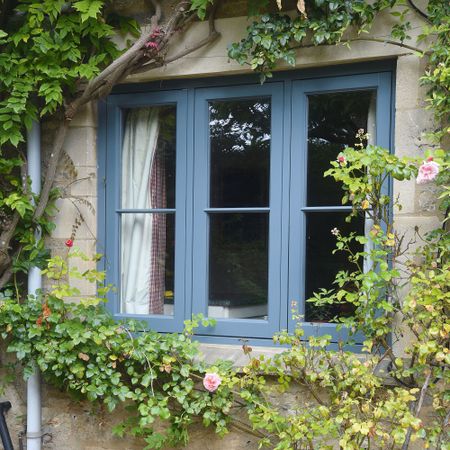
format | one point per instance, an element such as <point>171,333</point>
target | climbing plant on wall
<point>56,56</point>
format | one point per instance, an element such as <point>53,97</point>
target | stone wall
<point>75,426</point>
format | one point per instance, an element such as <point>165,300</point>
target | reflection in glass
<point>148,158</point>
<point>147,263</point>
<point>238,265</point>
<point>240,152</point>
<point>321,265</point>
<point>333,122</point>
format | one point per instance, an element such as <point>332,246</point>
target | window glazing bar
<point>144,211</point>
<point>326,208</point>
<point>236,210</point>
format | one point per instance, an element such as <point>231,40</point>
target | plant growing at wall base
<point>79,347</point>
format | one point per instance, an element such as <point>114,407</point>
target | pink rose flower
<point>427,172</point>
<point>211,381</point>
<point>341,160</point>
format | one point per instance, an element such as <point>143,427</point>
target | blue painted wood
<point>310,209</point>
<point>236,210</point>
<point>145,211</point>
<point>287,210</point>
<point>387,65</point>
<point>379,82</point>
<point>101,187</point>
<point>233,327</point>
<point>111,158</point>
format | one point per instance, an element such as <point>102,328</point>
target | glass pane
<point>333,122</point>
<point>238,265</point>
<point>240,152</point>
<point>147,263</point>
<point>321,265</point>
<point>148,158</point>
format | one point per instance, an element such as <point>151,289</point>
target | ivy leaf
<point>200,7</point>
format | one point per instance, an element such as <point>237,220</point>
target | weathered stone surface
<point>428,198</point>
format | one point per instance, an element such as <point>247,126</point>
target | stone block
<point>80,145</point>
<point>234,353</point>
<point>402,337</point>
<point>86,116</point>
<point>405,226</point>
<point>409,93</point>
<point>410,126</point>
<point>85,183</point>
<point>69,213</point>
<point>405,194</point>
<point>427,198</point>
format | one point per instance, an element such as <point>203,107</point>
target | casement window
<point>213,200</point>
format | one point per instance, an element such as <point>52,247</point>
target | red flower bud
<point>69,243</point>
<point>430,158</point>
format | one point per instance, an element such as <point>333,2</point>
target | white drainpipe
<point>34,431</point>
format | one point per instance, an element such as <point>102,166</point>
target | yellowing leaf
<point>83,356</point>
<point>279,4</point>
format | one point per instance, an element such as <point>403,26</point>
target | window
<point>212,198</point>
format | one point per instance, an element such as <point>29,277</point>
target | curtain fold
<point>142,235</point>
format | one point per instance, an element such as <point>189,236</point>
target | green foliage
<point>276,36</point>
<point>50,48</point>
<point>200,6</point>
<point>15,197</point>
<point>343,400</point>
<point>437,75</point>
<point>47,49</point>
<point>81,348</point>
<point>397,282</point>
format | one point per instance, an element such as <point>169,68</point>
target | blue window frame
<point>236,226</point>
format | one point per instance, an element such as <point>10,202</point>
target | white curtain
<point>137,236</point>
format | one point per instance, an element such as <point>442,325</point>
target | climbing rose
<point>211,381</point>
<point>427,172</point>
<point>69,243</point>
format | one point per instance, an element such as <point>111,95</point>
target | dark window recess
<point>333,122</point>
<point>321,266</point>
<point>240,153</point>
<point>238,264</point>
